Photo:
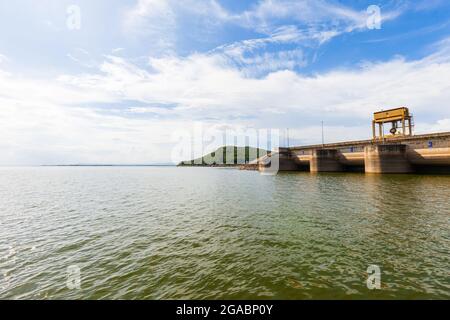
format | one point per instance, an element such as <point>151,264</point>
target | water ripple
<point>188,233</point>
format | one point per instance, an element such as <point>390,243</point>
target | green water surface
<point>202,233</point>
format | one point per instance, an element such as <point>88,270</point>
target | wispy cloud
<point>278,20</point>
<point>423,5</point>
<point>268,12</point>
<point>82,58</point>
<point>307,24</point>
<point>155,19</point>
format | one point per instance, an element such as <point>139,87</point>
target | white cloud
<point>117,50</point>
<point>207,85</point>
<point>442,125</point>
<point>3,58</point>
<point>82,58</point>
<point>257,64</point>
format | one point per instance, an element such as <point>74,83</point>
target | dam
<point>397,152</point>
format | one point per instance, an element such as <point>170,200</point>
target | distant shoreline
<point>107,165</point>
<point>210,165</point>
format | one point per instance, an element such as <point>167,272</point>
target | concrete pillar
<point>386,158</point>
<point>325,160</point>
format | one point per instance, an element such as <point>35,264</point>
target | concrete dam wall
<point>420,153</point>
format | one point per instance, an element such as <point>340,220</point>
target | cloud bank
<point>72,119</point>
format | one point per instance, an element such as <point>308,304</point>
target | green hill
<point>227,156</point>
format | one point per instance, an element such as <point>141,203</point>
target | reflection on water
<point>195,233</point>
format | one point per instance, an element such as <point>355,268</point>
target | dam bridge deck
<point>403,154</point>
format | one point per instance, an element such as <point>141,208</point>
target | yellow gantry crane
<point>401,123</point>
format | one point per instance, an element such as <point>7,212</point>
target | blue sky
<point>115,88</point>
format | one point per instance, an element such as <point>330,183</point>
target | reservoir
<point>209,233</point>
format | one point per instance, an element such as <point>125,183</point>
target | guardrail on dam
<point>406,154</point>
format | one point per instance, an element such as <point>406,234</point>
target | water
<point>200,233</point>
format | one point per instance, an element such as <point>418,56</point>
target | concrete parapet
<point>325,160</point>
<point>387,158</point>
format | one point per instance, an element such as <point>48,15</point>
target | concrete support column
<point>386,158</point>
<point>325,160</point>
